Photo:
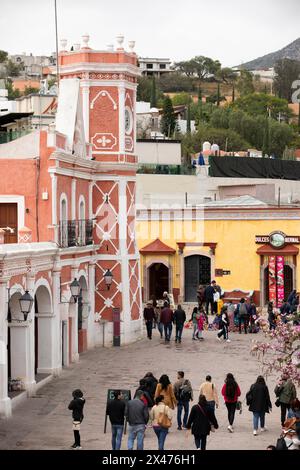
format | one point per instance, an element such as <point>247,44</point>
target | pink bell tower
<point>108,83</point>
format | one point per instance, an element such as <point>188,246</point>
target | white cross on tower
<point>103,141</point>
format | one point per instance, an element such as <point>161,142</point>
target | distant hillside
<point>292,51</point>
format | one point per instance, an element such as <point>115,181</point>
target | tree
<point>3,56</point>
<point>153,101</point>
<point>264,105</point>
<point>199,95</point>
<point>12,93</point>
<point>286,71</point>
<point>188,119</point>
<point>245,83</point>
<point>30,90</point>
<point>266,141</point>
<point>228,76</point>
<point>281,352</point>
<point>175,82</point>
<point>185,66</point>
<point>168,120</point>
<point>218,95</point>
<point>144,90</point>
<point>205,66</point>
<point>12,69</point>
<point>181,98</point>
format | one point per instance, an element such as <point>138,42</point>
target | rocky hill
<point>292,51</point>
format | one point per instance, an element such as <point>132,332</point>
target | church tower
<point>108,83</point>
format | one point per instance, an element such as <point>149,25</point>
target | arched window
<point>81,216</point>
<point>63,217</point>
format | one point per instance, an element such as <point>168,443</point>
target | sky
<point>232,31</point>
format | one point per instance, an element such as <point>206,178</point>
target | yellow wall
<point>235,251</point>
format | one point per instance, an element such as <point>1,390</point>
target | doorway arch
<point>43,349</point>
<point>197,270</point>
<point>158,279</point>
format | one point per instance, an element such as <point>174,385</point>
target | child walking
<point>200,325</point>
<point>76,405</point>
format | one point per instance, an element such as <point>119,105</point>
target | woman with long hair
<point>258,399</point>
<point>194,320</point>
<point>165,388</point>
<point>230,391</point>
<point>201,418</point>
<point>155,412</point>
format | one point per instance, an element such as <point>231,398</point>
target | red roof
<point>268,250</point>
<point>157,247</point>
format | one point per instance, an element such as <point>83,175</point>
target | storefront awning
<point>268,250</point>
<point>157,247</point>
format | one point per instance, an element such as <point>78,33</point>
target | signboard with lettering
<point>221,272</point>
<point>110,396</point>
<point>277,239</point>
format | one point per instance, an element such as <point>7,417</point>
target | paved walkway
<point>44,422</point>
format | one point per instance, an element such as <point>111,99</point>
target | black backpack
<point>184,393</point>
<point>281,444</point>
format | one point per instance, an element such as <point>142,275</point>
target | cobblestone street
<point>44,422</point>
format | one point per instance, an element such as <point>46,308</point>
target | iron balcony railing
<point>75,233</point>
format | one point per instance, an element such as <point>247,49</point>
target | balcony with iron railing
<point>75,233</point>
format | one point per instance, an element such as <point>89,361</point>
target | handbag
<point>239,406</point>
<point>163,420</point>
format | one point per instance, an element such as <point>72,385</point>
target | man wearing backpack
<point>242,312</point>
<point>184,394</point>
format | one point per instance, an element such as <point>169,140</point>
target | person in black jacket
<point>179,319</point>
<point>149,317</point>
<point>151,383</point>
<point>200,421</point>
<point>149,401</point>
<point>209,297</point>
<point>76,405</point>
<point>116,412</point>
<point>258,399</point>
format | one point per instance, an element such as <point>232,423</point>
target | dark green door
<point>197,270</point>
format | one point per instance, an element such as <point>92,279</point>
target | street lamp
<point>108,277</point>
<point>26,302</point>
<point>75,289</point>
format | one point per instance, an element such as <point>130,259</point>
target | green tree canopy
<point>181,98</point>
<point>286,71</point>
<point>3,56</point>
<point>264,105</point>
<point>168,120</point>
<point>245,83</point>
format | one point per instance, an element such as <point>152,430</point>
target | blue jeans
<point>136,431</point>
<point>256,417</point>
<point>200,441</point>
<point>182,405</point>
<point>168,331</point>
<point>116,437</point>
<point>160,328</point>
<point>179,328</point>
<point>161,434</point>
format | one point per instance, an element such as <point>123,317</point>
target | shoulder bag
<point>163,420</point>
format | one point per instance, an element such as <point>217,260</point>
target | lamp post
<point>26,302</point>
<point>108,277</point>
<point>75,289</point>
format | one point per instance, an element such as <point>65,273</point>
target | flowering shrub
<point>281,351</point>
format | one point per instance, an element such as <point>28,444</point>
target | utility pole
<point>56,40</point>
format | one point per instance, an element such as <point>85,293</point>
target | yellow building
<point>242,243</point>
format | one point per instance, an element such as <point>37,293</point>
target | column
<point>56,324</point>
<point>73,208</point>
<point>54,205</point>
<point>126,313</point>
<point>91,184</point>
<point>30,382</point>
<point>86,110</point>
<point>121,90</point>
<point>5,401</point>
<point>91,317</point>
<point>74,314</point>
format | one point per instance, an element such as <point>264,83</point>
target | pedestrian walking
<point>209,297</point>
<point>201,421</point>
<point>242,313</point>
<point>285,392</point>
<point>194,319</point>
<point>201,296</point>
<point>165,388</point>
<point>285,310</point>
<point>271,316</point>
<point>151,383</point>
<point>116,412</point>
<point>209,390</point>
<point>160,325</point>
<point>166,298</point>
<point>147,399</point>
<point>76,405</point>
<point>149,317</point>
<point>258,400</point>
<point>158,416</point>
<point>138,415</point>
<point>183,392</point>
<point>166,319</point>
<point>230,391</point>
<point>224,325</point>
<point>179,319</point>
<point>252,318</point>
<point>200,325</point>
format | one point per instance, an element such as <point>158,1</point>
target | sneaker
<point>179,428</point>
<point>194,339</point>
<point>77,447</point>
<point>263,429</point>
<point>254,432</point>
<point>230,428</point>
<point>228,341</point>
<point>73,446</point>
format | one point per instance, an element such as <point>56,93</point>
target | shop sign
<point>277,239</point>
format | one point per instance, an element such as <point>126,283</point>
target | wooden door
<point>9,218</point>
<point>197,270</point>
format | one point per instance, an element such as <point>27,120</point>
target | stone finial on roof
<point>131,45</point>
<point>63,44</point>
<point>85,40</point>
<point>120,40</point>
